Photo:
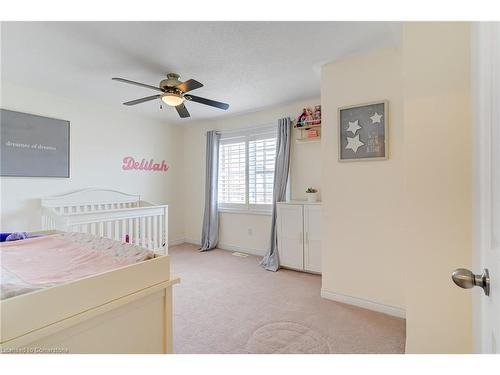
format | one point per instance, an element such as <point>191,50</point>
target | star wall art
<point>363,131</point>
<point>354,143</point>
<point>353,126</point>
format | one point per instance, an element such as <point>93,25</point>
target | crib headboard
<point>91,199</point>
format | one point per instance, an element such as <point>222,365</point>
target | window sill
<point>245,212</point>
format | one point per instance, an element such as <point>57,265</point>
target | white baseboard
<point>366,304</point>
<point>176,242</point>
<point>223,246</point>
<point>180,241</point>
<point>242,249</point>
<point>192,241</point>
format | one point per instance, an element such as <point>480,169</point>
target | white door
<point>487,184</point>
<point>312,238</point>
<point>290,236</point>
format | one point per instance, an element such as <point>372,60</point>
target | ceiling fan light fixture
<point>172,99</point>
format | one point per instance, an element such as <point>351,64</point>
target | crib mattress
<point>38,263</point>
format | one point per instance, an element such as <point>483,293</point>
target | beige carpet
<point>228,304</point>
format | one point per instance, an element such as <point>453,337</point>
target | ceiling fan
<point>173,93</point>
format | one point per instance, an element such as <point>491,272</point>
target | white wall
<point>363,202</point>
<point>234,228</point>
<point>100,138</point>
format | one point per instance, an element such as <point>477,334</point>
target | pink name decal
<point>129,163</point>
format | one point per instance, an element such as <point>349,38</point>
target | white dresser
<point>299,235</point>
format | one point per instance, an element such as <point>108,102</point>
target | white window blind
<point>261,156</point>
<point>246,170</point>
<point>232,171</point>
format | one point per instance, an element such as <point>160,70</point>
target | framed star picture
<point>363,131</point>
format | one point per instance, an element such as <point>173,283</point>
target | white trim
<point>485,59</point>
<point>222,246</point>
<point>364,303</point>
<point>244,211</point>
<point>241,249</point>
<point>179,241</point>
<point>192,241</point>
<point>300,201</point>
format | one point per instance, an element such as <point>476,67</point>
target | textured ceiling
<point>249,65</point>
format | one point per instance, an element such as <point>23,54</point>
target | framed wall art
<point>33,146</point>
<point>363,131</point>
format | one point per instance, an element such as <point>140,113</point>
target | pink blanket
<point>55,260</point>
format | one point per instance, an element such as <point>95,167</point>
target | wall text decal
<point>129,163</point>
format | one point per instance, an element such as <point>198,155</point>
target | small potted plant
<point>312,194</point>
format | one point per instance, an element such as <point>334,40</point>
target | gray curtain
<point>281,167</point>
<point>210,230</point>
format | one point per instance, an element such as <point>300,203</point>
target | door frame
<point>482,61</point>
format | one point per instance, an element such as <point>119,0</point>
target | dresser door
<point>290,236</point>
<point>312,238</point>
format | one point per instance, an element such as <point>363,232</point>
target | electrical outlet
<point>250,231</point>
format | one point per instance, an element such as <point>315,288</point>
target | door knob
<point>466,279</point>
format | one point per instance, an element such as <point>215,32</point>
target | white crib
<point>108,213</point>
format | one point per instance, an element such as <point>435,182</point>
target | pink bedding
<point>36,263</point>
<point>52,259</point>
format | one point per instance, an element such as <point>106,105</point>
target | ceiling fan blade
<point>182,110</point>
<point>142,100</point>
<point>137,84</point>
<point>189,85</point>
<point>209,102</point>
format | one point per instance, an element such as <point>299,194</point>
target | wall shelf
<point>308,140</point>
<point>304,128</point>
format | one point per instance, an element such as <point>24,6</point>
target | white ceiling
<point>249,65</point>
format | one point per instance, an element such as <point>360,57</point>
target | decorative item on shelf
<point>312,195</point>
<point>312,133</point>
<point>317,115</point>
<point>309,125</point>
<point>309,118</point>
<point>302,118</point>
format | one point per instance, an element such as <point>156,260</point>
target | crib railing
<point>145,226</point>
<point>91,207</point>
<point>108,213</point>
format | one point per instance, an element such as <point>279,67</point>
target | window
<point>246,170</point>
<point>232,171</point>
<point>261,155</point>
